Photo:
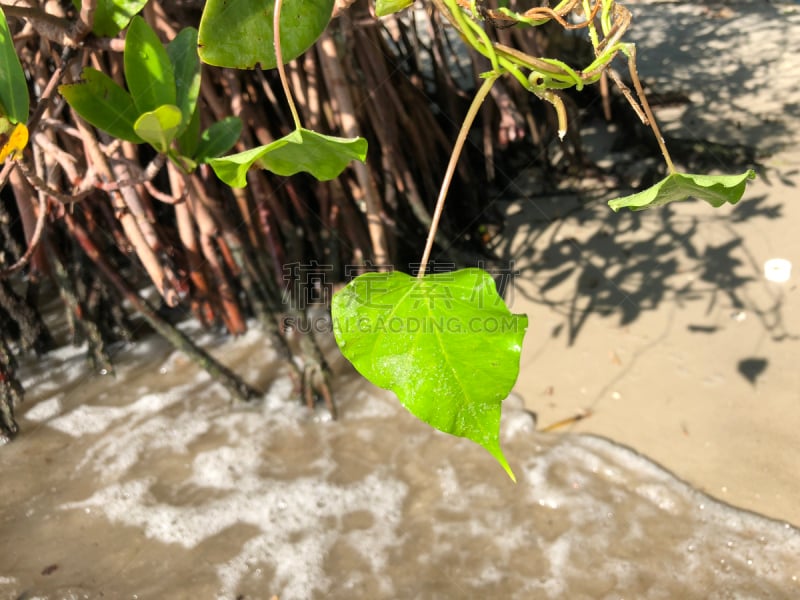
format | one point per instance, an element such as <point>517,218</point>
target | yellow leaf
<point>15,143</point>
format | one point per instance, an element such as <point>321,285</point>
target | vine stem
<point>637,85</point>
<point>276,34</point>
<point>480,96</point>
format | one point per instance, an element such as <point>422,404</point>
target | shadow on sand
<point>585,261</point>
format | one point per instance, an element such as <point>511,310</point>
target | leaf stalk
<point>276,25</point>
<point>466,125</point>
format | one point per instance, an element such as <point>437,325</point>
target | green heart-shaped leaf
<point>100,101</point>
<point>714,189</point>
<point>159,127</point>
<point>446,344</point>
<point>239,33</point>
<point>324,156</point>
<point>14,99</point>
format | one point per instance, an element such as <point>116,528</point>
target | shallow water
<point>150,485</point>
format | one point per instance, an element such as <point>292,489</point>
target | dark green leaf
<point>103,103</point>
<point>218,139</point>
<point>445,344</point>
<point>325,157</point>
<point>238,33</point>
<point>159,127</point>
<point>112,16</point>
<point>148,70</point>
<point>190,138</point>
<point>714,189</point>
<point>389,7</point>
<point>182,52</point>
<point>13,87</point>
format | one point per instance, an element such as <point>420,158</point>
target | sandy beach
<point>661,328</point>
<point>663,324</point>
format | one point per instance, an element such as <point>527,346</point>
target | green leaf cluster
<point>160,105</point>
<point>241,34</point>
<point>446,344</point>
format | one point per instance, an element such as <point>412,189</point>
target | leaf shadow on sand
<point>583,261</point>
<point>735,64</point>
<point>570,253</point>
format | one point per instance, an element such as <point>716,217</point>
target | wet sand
<point>151,486</point>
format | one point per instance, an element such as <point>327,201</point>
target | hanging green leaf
<point>182,52</point>
<point>714,189</point>
<point>446,344</point>
<point>100,101</point>
<point>238,33</point>
<point>218,138</point>
<point>13,86</point>
<point>389,7</point>
<point>148,70</point>
<point>112,16</point>
<point>159,127</point>
<point>324,156</point>
<point>232,169</point>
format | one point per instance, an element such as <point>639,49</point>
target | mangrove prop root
<point>219,254</point>
<point>238,388</point>
<point>11,392</point>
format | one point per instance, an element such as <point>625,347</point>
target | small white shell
<point>778,270</point>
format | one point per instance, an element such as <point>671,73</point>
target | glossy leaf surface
<point>323,156</point>
<point>714,189</point>
<point>159,127</point>
<point>189,139</point>
<point>112,16</point>
<point>100,101</point>
<point>446,344</point>
<point>182,52</point>
<point>148,69</point>
<point>14,101</point>
<point>218,138</point>
<point>239,33</point>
